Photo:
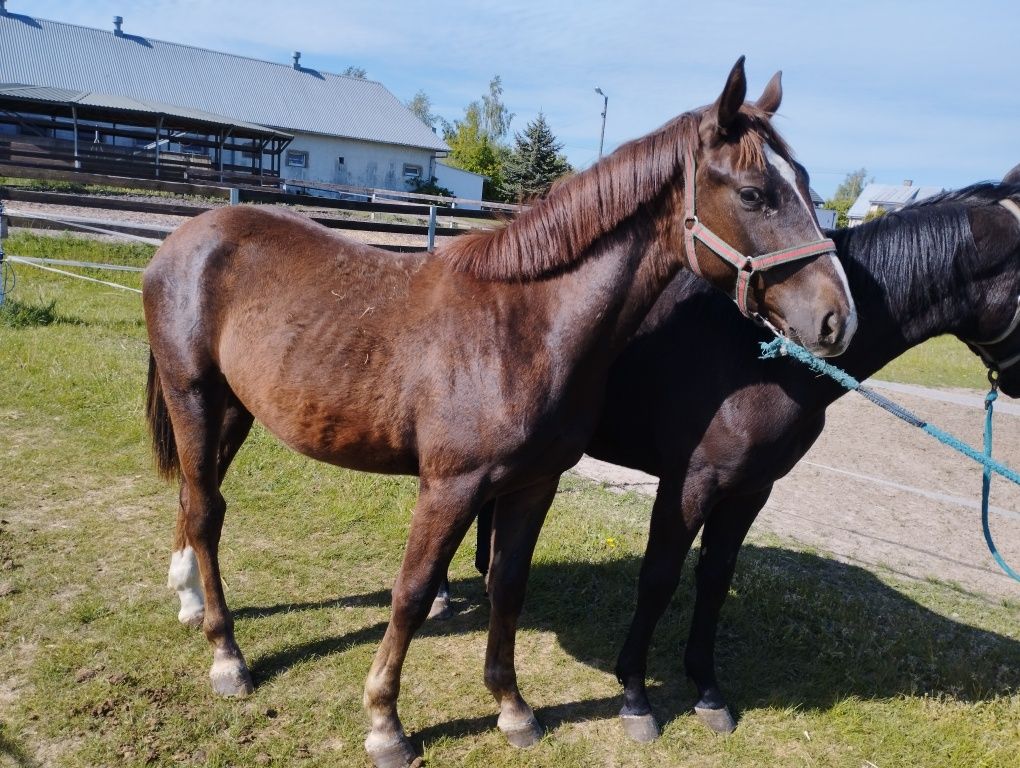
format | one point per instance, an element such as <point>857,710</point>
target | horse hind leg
<point>183,576</point>
<point>198,406</point>
<point>442,607</point>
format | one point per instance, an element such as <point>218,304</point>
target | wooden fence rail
<point>449,226</point>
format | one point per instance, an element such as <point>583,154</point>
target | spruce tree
<point>534,163</point>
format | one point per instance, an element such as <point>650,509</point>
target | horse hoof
<point>441,608</point>
<point>231,678</point>
<point>719,719</point>
<point>523,734</point>
<point>640,728</point>
<point>397,753</point>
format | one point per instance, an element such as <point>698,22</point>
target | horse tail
<point>164,447</point>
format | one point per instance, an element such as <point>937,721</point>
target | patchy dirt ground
<point>878,493</point>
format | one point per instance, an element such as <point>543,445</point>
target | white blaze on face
<point>184,578</point>
<point>789,175</point>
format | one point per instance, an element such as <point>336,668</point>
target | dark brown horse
<point>481,368</point>
<point>720,439</point>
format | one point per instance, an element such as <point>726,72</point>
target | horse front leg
<point>721,540</point>
<point>517,522</point>
<point>675,522</point>
<point>441,517</point>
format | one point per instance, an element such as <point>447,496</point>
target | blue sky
<point>928,91</point>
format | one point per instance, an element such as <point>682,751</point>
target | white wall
<point>462,183</point>
<point>366,164</point>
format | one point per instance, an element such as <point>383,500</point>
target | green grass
<point>944,361</point>
<point>827,664</point>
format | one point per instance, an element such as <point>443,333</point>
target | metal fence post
<point>3,266</point>
<point>432,228</point>
<point>235,196</point>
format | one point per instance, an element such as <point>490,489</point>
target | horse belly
<point>343,423</point>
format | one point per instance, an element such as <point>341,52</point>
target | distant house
<point>826,218</point>
<point>346,130</point>
<point>887,197</point>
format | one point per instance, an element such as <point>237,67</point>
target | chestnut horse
<point>720,440</point>
<point>480,368</point>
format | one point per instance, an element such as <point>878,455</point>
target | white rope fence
<point>47,264</point>
<point>34,263</point>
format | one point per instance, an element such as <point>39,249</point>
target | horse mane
<point>557,231</point>
<point>927,244</point>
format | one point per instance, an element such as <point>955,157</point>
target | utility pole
<point>605,108</point>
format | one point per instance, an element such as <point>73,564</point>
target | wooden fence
<point>391,217</point>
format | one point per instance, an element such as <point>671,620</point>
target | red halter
<point>746,266</point>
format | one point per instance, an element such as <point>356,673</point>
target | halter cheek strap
<point>746,266</point>
<point>979,346</point>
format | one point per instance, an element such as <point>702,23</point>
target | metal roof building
<point>295,99</point>
<point>887,197</point>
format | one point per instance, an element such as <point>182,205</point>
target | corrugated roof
<point>888,195</point>
<point>50,53</point>
<point>50,95</point>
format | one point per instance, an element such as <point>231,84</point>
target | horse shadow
<point>797,630</point>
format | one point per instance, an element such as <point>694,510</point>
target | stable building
<point>215,113</point>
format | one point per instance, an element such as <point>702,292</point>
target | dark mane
<point>982,193</point>
<point>924,244</point>
<point>557,231</point>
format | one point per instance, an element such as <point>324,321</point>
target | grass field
<point>827,664</point>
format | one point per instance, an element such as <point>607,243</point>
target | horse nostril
<point>831,330</point>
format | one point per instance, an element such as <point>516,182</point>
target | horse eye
<point>751,196</point>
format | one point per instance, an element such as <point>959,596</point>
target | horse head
<point>749,227</point>
<point>999,306</point>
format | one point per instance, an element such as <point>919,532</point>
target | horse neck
<point>905,276</point>
<point>606,295</point>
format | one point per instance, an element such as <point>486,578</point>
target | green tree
<point>495,116</point>
<point>472,150</point>
<point>353,71</point>
<point>852,185</point>
<point>846,194</point>
<point>534,163</point>
<point>477,141</point>
<point>421,105</point>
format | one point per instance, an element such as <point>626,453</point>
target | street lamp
<point>605,108</point>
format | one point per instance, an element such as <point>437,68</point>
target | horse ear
<point>732,97</point>
<point>1013,177</point>
<point>772,96</point>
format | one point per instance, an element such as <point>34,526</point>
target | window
<point>297,159</point>
<point>412,171</point>
<point>340,160</point>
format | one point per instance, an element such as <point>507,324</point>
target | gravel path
<point>880,494</point>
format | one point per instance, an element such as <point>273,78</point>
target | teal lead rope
<point>782,346</point>
<point>986,477</point>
